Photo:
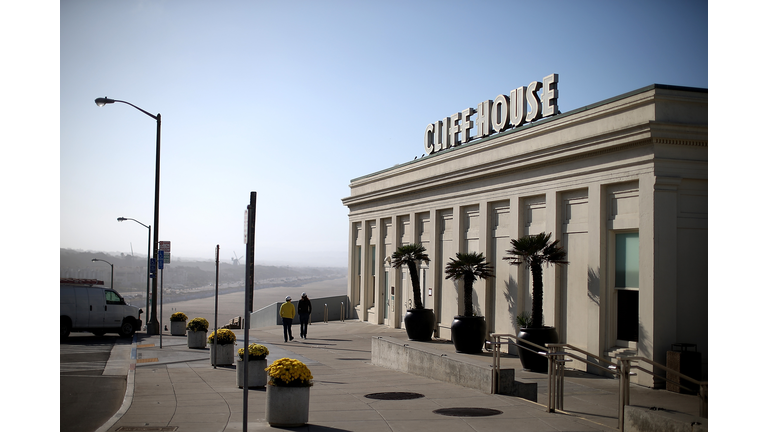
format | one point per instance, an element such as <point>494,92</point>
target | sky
<point>294,99</point>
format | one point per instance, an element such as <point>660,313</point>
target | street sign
<point>152,266</point>
<point>160,259</point>
<point>165,246</point>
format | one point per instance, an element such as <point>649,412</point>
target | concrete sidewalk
<point>176,388</point>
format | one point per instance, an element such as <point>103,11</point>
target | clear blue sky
<point>295,99</point>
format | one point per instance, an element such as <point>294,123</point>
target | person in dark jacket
<point>305,308</point>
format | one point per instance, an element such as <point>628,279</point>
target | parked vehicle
<point>86,305</point>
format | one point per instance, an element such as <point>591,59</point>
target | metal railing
<point>325,313</point>
<point>556,355</point>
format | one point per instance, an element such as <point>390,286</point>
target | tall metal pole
<point>149,251</point>
<point>216,311</point>
<point>249,278</point>
<point>153,326</point>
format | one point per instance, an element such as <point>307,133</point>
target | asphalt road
<point>88,398</point>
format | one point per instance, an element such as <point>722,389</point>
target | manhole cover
<point>147,428</point>
<point>467,412</point>
<point>394,396</point>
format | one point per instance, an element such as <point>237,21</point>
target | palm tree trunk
<point>416,285</point>
<point>537,299</point>
<point>468,282</point>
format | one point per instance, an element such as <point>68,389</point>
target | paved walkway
<point>176,388</point>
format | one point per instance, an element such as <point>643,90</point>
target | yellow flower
<point>178,316</point>
<point>289,372</point>
<point>255,351</point>
<point>223,337</point>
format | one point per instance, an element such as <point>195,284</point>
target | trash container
<point>684,358</point>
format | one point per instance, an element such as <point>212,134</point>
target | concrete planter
<point>178,328</point>
<point>257,375</point>
<point>196,339</point>
<point>225,354</point>
<point>287,406</point>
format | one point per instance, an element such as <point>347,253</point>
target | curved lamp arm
<point>120,219</point>
<point>103,101</point>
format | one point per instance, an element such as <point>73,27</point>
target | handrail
<point>625,362</point>
<point>556,353</point>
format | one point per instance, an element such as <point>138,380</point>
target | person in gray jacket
<point>305,308</point>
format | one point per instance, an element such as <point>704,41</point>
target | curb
<point>129,390</point>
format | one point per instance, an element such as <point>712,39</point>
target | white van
<point>86,306</point>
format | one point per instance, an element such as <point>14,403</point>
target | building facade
<point>621,183</point>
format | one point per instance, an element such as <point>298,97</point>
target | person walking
<point>305,309</point>
<point>287,312</point>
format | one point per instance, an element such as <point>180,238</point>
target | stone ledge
<point>405,357</point>
<point>644,419</point>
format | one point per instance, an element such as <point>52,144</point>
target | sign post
<point>249,278</point>
<point>160,261</point>
<point>216,313</point>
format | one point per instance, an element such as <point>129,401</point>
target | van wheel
<point>66,327</point>
<point>127,329</point>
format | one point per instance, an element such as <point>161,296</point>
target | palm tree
<point>533,251</point>
<point>408,255</point>
<point>469,267</point>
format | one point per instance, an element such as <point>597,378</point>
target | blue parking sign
<point>160,259</point>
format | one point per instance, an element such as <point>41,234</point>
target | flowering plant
<point>287,372</point>
<point>255,352</point>
<point>198,324</point>
<point>223,337</point>
<point>178,316</point>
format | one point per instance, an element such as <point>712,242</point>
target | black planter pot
<point>540,336</point>
<point>468,333</point>
<point>420,324</point>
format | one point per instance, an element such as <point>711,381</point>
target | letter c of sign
<point>429,139</point>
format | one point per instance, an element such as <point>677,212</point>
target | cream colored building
<point>621,183</point>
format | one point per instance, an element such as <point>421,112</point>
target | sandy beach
<point>232,305</point>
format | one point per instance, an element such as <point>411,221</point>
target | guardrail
<point>556,354</point>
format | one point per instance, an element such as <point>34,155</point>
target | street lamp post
<point>112,276</point>
<point>153,326</point>
<point>149,248</point>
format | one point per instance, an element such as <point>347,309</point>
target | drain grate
<point>394,396</point>
<point>467,412</point>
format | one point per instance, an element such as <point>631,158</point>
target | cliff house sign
<point>523,105</point>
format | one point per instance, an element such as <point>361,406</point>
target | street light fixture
<point>153,326</point>
<point>149,248</point>
<point>112,277</point>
